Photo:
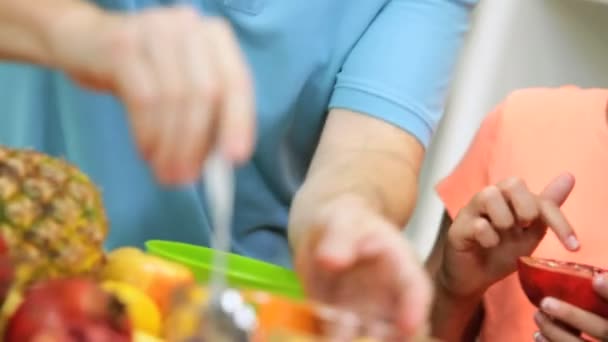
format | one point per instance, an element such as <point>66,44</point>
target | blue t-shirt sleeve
<point>400,68</point>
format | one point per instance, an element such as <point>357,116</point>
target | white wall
<point>513,44</point>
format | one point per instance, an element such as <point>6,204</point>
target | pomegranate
<point>68,310</point>
<point>568,281</point>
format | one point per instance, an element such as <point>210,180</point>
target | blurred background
<point>512,44</point>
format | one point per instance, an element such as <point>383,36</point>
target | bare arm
<point>452,319</point>
<point>433,262</point>
<point>360,156</point>
<point>28,28</point>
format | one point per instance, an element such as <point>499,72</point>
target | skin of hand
<point>499,224</point>
<point>554,315</point>
<point>182,77</point>
<point>345,223</point>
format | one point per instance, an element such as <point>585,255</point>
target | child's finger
<point>495,207</point>
<point>523,202</point>
<point>553,217</point>
<point>552,197</point>
<point>558,189</point>
<point>484,234</point>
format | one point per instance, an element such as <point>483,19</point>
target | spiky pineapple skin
<point>51,215</point>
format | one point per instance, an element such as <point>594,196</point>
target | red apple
<point>68,310</point>
<point>568,281</point>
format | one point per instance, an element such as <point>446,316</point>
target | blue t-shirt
<point>391,59</point>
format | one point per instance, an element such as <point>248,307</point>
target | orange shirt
<point>536,134</point>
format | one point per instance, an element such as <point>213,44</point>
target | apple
<point>68,310</point>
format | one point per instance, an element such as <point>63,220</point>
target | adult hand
<point>554,311</point>
<point>181,76</point>
<point>500,224</point>
<point>354,259</point>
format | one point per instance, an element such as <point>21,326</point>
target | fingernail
<point>538,337</point>
<point>538,317</point>
<point>549,304</point>
<point>572,242</point>
<point>599,281</point>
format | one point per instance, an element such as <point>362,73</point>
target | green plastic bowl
<point>242,272</point>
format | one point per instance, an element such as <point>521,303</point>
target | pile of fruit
<point>56,281</point>
<point>58,284</point>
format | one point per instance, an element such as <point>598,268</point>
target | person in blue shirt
<point>326,106</point>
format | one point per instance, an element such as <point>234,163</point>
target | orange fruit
<point>155,276</point>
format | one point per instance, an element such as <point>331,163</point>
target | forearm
<point>28,28</point>
<point>452,318</point>
<point>434,260</point>
<point>455,319</point>
<point>380,166</point>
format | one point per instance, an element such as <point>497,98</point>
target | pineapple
<point>51,215</point>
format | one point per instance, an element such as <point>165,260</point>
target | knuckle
<point>480,224</point>
<point>209,91</point>
<point>513,183</point>
<point>528,216</point>
<point>488,194</point>
<point>144,101</point>
<point>172,95</point>
<point>122,42</point>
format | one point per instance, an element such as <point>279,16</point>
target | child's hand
<point>554,311</point>
<point>500,224</point>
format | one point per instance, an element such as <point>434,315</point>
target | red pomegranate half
<point>568,281</point>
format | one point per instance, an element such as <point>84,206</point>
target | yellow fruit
<point>155,276</point>
<point>51,214</point>
<point>125,252</point>
<point>143,312</point>
<point>10,305</point>
<point>52,220</point>
<point>184,321</point>
<point>140,336</point>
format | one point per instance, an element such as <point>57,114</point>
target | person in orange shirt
<point>500,199</point>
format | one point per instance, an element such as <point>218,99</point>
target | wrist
<point>456,296</point>
<point>310,209</point>
<point>69,27</point>
<point>455,317</point>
